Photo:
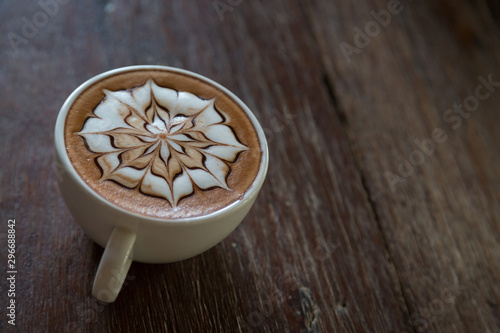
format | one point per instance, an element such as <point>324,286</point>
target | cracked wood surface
<point>347,234</point>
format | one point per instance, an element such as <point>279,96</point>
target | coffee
<point>162,143</point>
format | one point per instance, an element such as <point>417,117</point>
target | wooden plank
<point>440,218</point>
<point>309,257</point>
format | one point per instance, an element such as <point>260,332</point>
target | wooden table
<point>380,212</point>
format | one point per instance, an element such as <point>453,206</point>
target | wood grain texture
<point>330,245</point>
<point>440,220</point>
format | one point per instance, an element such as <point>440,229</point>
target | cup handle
<point>114,265</point>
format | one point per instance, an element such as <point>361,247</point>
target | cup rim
<point>64,158</point>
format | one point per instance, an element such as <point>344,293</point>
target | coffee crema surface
<point>162,143</point>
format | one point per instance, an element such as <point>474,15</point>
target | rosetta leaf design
<point>163,142</point>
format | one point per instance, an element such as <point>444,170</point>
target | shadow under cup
<point>156,164</point>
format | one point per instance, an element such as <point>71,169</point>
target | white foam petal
<point>209,116</point>
<point>108,162</point>
<point>165,97</point>
<point>153,129</point>
<point>218,169</point>
<point>159,123</point>
<point>175,128</point>
<point>180,137</point>
<point>147,138</point>
<point>227,153</point>
<point>188,104</point>
<point>127,176</point>
<point>204,179</point>
<point>222,134</point>
<point>164,152</point>
<point>151,149</point>
<point>98,143</point>
<point>108,122</point>
<point>156,186</point>
<point>176,146</point>
<point>182,187</point>
<point>139,99</point>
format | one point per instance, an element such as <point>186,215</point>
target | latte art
<point>163,142</point>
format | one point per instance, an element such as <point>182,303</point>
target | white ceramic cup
<point>127,236</point>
